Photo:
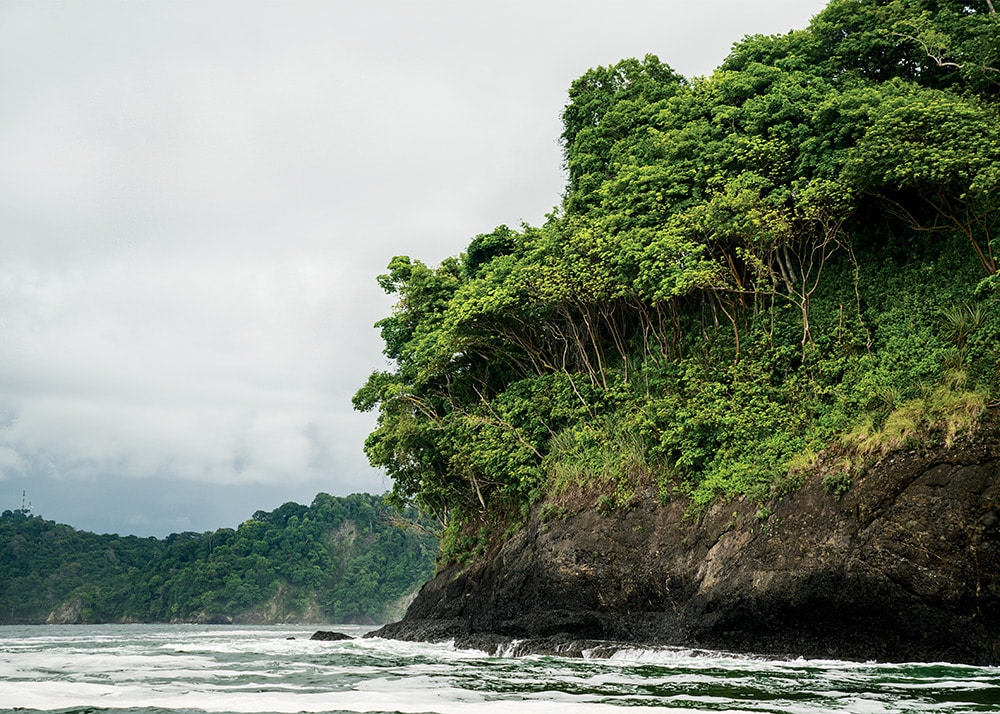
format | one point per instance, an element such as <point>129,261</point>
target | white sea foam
<point>413,699</point>
<point>257,670</point>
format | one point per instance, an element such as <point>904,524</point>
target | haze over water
<point>159,669</point>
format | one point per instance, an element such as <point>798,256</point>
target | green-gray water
<point>147,669</point>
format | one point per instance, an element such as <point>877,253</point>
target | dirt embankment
<point>903,566</point>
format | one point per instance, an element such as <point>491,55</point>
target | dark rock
<point>330,636</point>
<point>904,566</point>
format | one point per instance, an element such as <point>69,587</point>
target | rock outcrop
<point>330,636</point>
<point>902,566</point>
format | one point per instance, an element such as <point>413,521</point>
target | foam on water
<point>373,697</point>
<point>258,670</point>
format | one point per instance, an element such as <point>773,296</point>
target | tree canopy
<point>745,269</point>
<point>337,560</point>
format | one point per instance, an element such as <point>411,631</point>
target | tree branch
<point>938,57</point>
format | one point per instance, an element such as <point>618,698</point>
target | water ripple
<point>143,669</point>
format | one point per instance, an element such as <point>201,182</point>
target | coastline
<point>902,566</point>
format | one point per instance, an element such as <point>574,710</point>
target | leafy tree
<point>745,267</point>
<point>936,43</point>
<point>934,158</point>
<point>608,105</point>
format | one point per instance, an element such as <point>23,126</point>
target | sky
<point>197,196</point>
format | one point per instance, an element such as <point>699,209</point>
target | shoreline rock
<point>903,566</point>
<point>329,636</point>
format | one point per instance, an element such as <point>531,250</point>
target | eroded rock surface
<point>904,566</point>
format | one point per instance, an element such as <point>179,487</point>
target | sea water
<point>183,669</point>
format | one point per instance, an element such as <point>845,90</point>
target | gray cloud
<point>195,199</point>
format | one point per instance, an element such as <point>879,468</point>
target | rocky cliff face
<point>903,566</point>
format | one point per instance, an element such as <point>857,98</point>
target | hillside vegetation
<point>347,560</point>
<point>793,257</point>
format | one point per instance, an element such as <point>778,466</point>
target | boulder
<point>330,636</point>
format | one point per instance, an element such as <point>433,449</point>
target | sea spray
<point>151,669</point>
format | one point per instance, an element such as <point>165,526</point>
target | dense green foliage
<point>337,560</point>
<point>795,255</point>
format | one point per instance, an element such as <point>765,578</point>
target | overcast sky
<point>196,197</point>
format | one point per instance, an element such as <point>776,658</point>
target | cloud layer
<point>195,200</point>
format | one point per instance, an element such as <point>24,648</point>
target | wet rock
<point>330,636</point>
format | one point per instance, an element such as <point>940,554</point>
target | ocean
<point>188,669</point>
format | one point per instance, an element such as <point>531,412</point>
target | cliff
<point>903,566</point>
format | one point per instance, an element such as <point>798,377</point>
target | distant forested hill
<point>349,559</point>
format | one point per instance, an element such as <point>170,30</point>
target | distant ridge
<point>341,559</point>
